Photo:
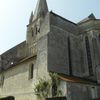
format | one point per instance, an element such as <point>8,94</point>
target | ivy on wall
<point>43,87</point>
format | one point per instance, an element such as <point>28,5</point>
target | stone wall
<point>64,24</point>
<point>13,56</point>
<point>58,60</point>
<point>78,92</point>
<point>16,82</point>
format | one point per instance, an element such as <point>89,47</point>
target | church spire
<point>31,17</point>
<point>41,9</point>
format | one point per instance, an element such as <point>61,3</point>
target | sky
<point>14,16</point>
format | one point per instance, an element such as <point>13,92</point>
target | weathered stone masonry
<point>54,44</point>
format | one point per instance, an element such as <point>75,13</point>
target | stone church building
<point>55,49</point>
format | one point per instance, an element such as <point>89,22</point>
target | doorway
<point>8,98</point>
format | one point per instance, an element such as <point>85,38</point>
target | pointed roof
<point>90,17</point>
<point>41,9</point>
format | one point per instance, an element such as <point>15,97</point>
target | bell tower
<point>33,28</point>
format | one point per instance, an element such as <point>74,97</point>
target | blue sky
<point>14,16</point>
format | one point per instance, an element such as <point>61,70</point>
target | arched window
<point>88,51</point>
<point>99,37</point>
<point>1,80</point>
<point>54,89</point>
<point>94,92</point>
<point>31,69</point>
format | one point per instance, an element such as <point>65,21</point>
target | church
<point>59,60</point>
